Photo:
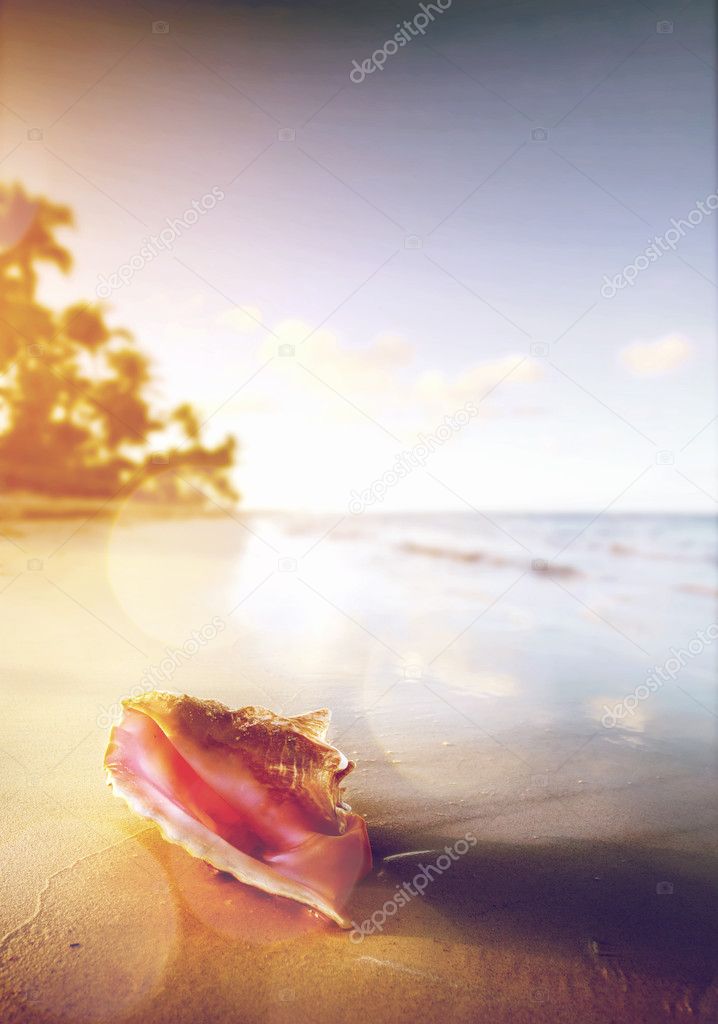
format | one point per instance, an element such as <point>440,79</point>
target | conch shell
<point>253,793</point>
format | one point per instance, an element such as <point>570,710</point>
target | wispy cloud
<point>387,367</point>
<point>649,358</point>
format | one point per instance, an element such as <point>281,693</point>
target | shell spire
<point>253,793</point>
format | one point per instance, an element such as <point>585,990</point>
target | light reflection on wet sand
<point>465,704</point>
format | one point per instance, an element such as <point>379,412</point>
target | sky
<point>330,266</point>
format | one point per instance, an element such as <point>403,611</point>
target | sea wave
<point>538,566</point>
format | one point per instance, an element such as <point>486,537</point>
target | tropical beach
<point>358,560</point>
<point>590,884</point>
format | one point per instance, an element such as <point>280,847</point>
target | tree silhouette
<point>75,419</point>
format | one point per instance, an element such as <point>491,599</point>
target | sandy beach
<point>468,684</point>
<point>358,357</point>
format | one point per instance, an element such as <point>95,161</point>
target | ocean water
<point>469,664</point>
<point>517,622</point>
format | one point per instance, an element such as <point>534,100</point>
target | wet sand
<point>590,893</point>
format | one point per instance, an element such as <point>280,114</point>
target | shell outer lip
<point>205,845</point>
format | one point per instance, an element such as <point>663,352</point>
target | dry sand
<point>553,916</point>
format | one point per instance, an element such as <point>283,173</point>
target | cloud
<point>650,358</point>
<point>475,382</point>
<point>386,368</point>
<point>309,372</point>
<point>319,417</point>
<point>373,369</point>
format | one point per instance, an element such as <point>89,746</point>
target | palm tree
<point>75,419</point>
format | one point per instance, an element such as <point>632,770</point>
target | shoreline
<point>34,508</point>
<point>590,892</point>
